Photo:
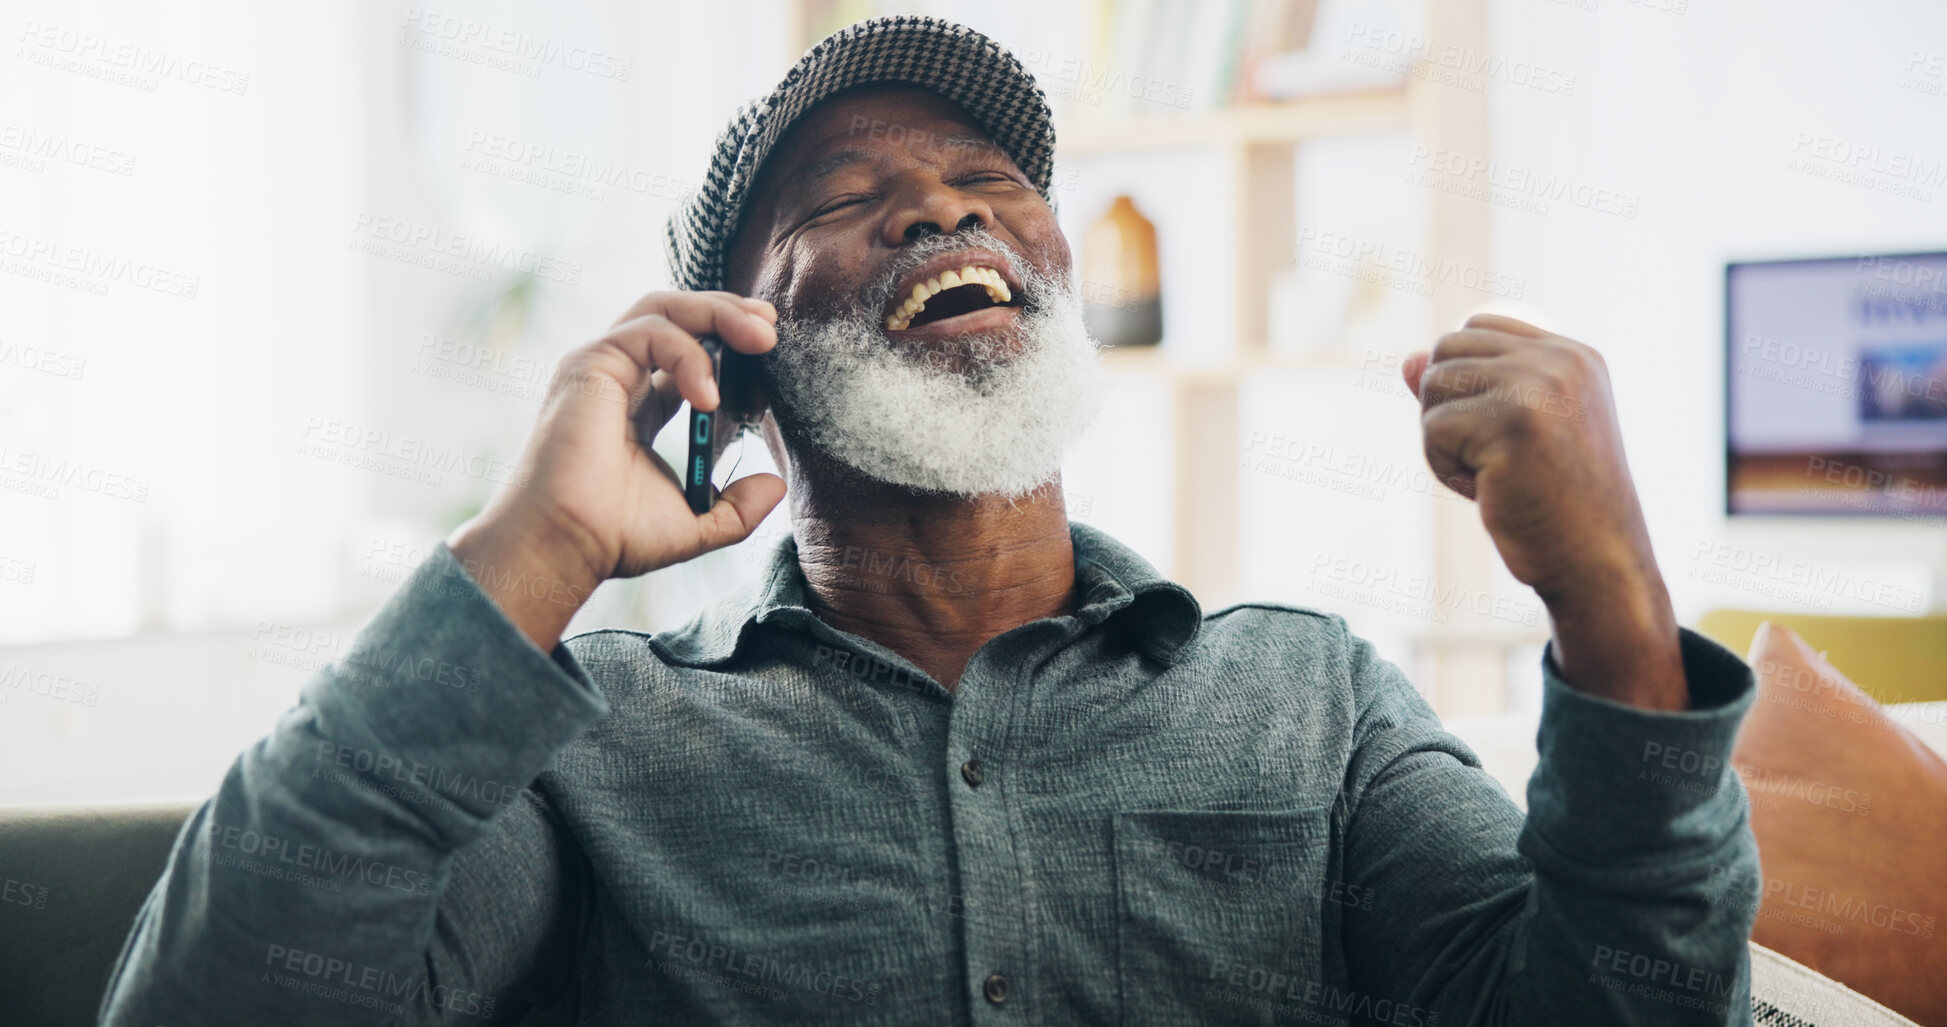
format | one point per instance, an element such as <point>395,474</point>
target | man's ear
<point>745,400</point>
<point>748,395</point>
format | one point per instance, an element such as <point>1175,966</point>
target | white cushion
<point>1788,994</point>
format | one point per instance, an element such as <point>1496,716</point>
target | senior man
<point>951,758</point>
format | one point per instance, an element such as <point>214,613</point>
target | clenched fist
<point>1522,421</point>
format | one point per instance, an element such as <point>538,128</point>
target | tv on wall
<point>1836,386</point>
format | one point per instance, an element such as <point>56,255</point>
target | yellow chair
<point>1895,659</point>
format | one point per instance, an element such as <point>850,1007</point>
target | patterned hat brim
<point>953,60</point>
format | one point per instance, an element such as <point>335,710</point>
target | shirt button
<point>995,988</point>
<point>970,770</point>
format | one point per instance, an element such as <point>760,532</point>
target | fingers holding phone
<point>592,500</point>
<point>712,431</point>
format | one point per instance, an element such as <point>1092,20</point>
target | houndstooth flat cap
<point>953,60</point>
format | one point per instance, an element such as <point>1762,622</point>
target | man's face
<point>929,331</point>
<point>860,179</point>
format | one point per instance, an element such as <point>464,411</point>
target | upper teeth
<point>997,290</point>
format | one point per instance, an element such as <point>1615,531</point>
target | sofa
<point>71,881</point>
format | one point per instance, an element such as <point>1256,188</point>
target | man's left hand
<point>1522,422</point>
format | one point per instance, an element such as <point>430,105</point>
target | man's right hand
<point>591,501</point>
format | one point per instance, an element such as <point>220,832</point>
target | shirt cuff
<point>442,703</point>
<point>1616,782</point>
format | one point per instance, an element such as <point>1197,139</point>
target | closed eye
<point>836,205</point>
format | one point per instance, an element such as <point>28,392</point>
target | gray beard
<point>997,424</point>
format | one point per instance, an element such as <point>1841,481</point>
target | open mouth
<point>951,294</point>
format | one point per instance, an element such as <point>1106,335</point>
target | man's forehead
<point>862,125</point>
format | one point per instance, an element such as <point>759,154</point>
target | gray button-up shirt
<point>1139,813</point>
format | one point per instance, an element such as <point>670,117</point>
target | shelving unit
<point>1461,664</point>
<point>1269,125</point>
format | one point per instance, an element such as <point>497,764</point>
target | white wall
<point>167,614</point>
<point>1698,113</point>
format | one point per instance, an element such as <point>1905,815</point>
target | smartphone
<point>712,432</point>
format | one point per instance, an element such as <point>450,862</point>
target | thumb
<point>1413,367</point>
<point>738,510</point>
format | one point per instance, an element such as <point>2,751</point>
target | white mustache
<point>879,295</point>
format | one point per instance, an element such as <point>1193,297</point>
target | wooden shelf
<point>1372,111</point>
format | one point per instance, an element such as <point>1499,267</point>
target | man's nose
<point>928,208</point>
<point>921,229</point>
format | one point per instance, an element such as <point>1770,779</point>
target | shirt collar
<point>1155,614</point>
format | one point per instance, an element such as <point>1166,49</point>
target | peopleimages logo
<point>380,451</point>
<point>1763,781</point>
<point>438,249</point>
<point>362,985</point>
<point>1260,987</point>
<point>1450,64</point>
<point>1399,267</point>
<point>20,893</point>
<point>436,779</point>
<point>90,270</point>
<point>514,44</point>
<point>1412,594</point>
<point>1090,79</point>
<point>735,962</point>
<point>32,149</point>
<point>1653,970</point>
<point>1825,902</point>
<point>1513,186</point>
<point>121,61</point>
<point>272,856</point>
<point>1768,574</point>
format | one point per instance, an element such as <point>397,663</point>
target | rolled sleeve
<point>1615,781</point>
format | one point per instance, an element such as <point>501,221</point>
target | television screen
<point>1836,386</point>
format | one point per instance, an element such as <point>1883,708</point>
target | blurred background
<point>284,285</point>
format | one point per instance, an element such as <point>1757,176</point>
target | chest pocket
<point>1218,914</point>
